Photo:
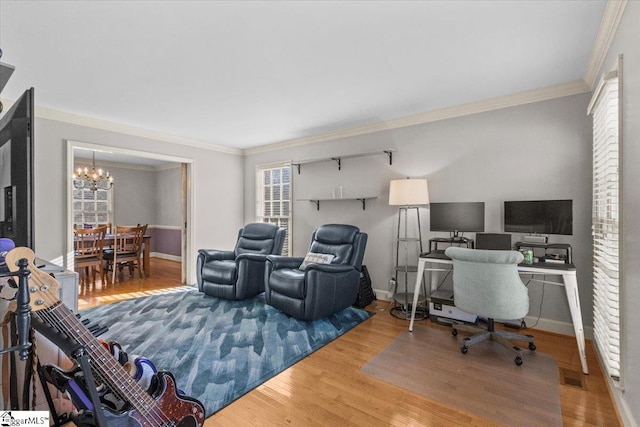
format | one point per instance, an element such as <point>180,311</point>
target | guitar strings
<point>145,405</point>
<point>68,322</point>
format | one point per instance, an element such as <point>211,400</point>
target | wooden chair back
<point>127,245</point>
<point>88,244</point>
<point>128,240</point>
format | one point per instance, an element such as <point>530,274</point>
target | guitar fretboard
<point>101,360</point>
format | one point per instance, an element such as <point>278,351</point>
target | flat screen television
<point>456,217</point>
<point>539,216</point>
<point>16,171</point>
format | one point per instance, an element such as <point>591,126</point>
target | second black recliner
<point>319,289</point>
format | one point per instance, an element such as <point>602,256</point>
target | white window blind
<point>606,223</point>
<point>273,199</point>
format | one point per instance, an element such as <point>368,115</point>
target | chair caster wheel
<point>454,332</point>
<point>532,346</point>
<point>464,349</point>
<point>518,360</point>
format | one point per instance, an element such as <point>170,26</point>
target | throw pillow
<point>315,258</point>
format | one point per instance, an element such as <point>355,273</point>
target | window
<point>273,199</point>
<point>605,108</point>
<point>92,207</point>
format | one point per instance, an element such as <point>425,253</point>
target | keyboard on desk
<point>549,265</point>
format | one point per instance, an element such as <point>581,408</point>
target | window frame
<point>607,222</point>
<point>266,215</point>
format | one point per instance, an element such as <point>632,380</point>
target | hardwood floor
<point>327,387</point>
<point>165,274</point>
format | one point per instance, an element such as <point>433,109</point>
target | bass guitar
<point>163,407</point>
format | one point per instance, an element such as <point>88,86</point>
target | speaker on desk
<point>494,241</point>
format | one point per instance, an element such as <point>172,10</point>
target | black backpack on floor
<point>365,293</point>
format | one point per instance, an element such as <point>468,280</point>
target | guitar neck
<point>101,360</point>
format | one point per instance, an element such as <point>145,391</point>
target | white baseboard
<point>557,327</point>
<point>543,324</point>
<point>383,294</point>
<point>165,256</point>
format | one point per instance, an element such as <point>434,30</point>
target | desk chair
<point>487,283</point>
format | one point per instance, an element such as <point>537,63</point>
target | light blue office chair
<point>486,283</point>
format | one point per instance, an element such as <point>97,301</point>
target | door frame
<point>187,199</point>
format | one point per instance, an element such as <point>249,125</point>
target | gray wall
<point>208,167</point>
<point>168,197</point>
<point>626,43</point>
<point>134,193</point>
<point>145,195</point>
<point>530,152</point>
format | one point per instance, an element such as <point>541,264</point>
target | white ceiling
<point>244,74</point>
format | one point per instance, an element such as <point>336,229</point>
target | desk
<point>146,249</point>
<point>567,272</point>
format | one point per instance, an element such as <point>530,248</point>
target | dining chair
<point>127,245</point>
<point>88,244</point>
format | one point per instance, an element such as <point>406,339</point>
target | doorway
<point>142,160</point>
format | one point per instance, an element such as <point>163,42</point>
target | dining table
<point>145,252</point>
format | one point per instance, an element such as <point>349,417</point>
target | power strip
<point>535,239</point>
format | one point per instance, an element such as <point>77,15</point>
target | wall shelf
<point>360,199</point>
<point>338,159</point>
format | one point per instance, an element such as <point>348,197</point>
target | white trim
<point>563,328</point>
<point>107,164</point>
<point>551,92</point>
<point>128,152</point>
<point>596,93</point>
<point>80,120</point>
<point>168,166</point>
<point>165,227</point>
<point>608,27</point>
<point>165,256</point>
<point>528,97</point>
<point>548,325</point>
<point>187,256</point>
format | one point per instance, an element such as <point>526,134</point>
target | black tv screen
<point>539,216</point>
<point>16,171</point>
<point>457,217</point>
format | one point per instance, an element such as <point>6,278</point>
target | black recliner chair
<point>319,289</point>
<point>239,274</point>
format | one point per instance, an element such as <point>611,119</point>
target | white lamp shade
<point>408,192</point>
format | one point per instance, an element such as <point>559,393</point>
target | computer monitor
<point>493,241</point>
<point>539,216</point>
<point>456,217</point>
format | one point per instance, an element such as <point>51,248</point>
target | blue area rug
<point>217,349</point>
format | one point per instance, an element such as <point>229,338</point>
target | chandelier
<point>92,180</point>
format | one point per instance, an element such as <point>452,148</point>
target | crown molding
<point>77,119</point>
<point>81,162</point>
<point>106,164</point>
<point>608,27</point>
<point>551,92</point>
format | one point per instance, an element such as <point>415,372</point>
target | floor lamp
<point>409,194</point>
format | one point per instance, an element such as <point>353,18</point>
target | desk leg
<point>416,292</point>
<point>571,288</point>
